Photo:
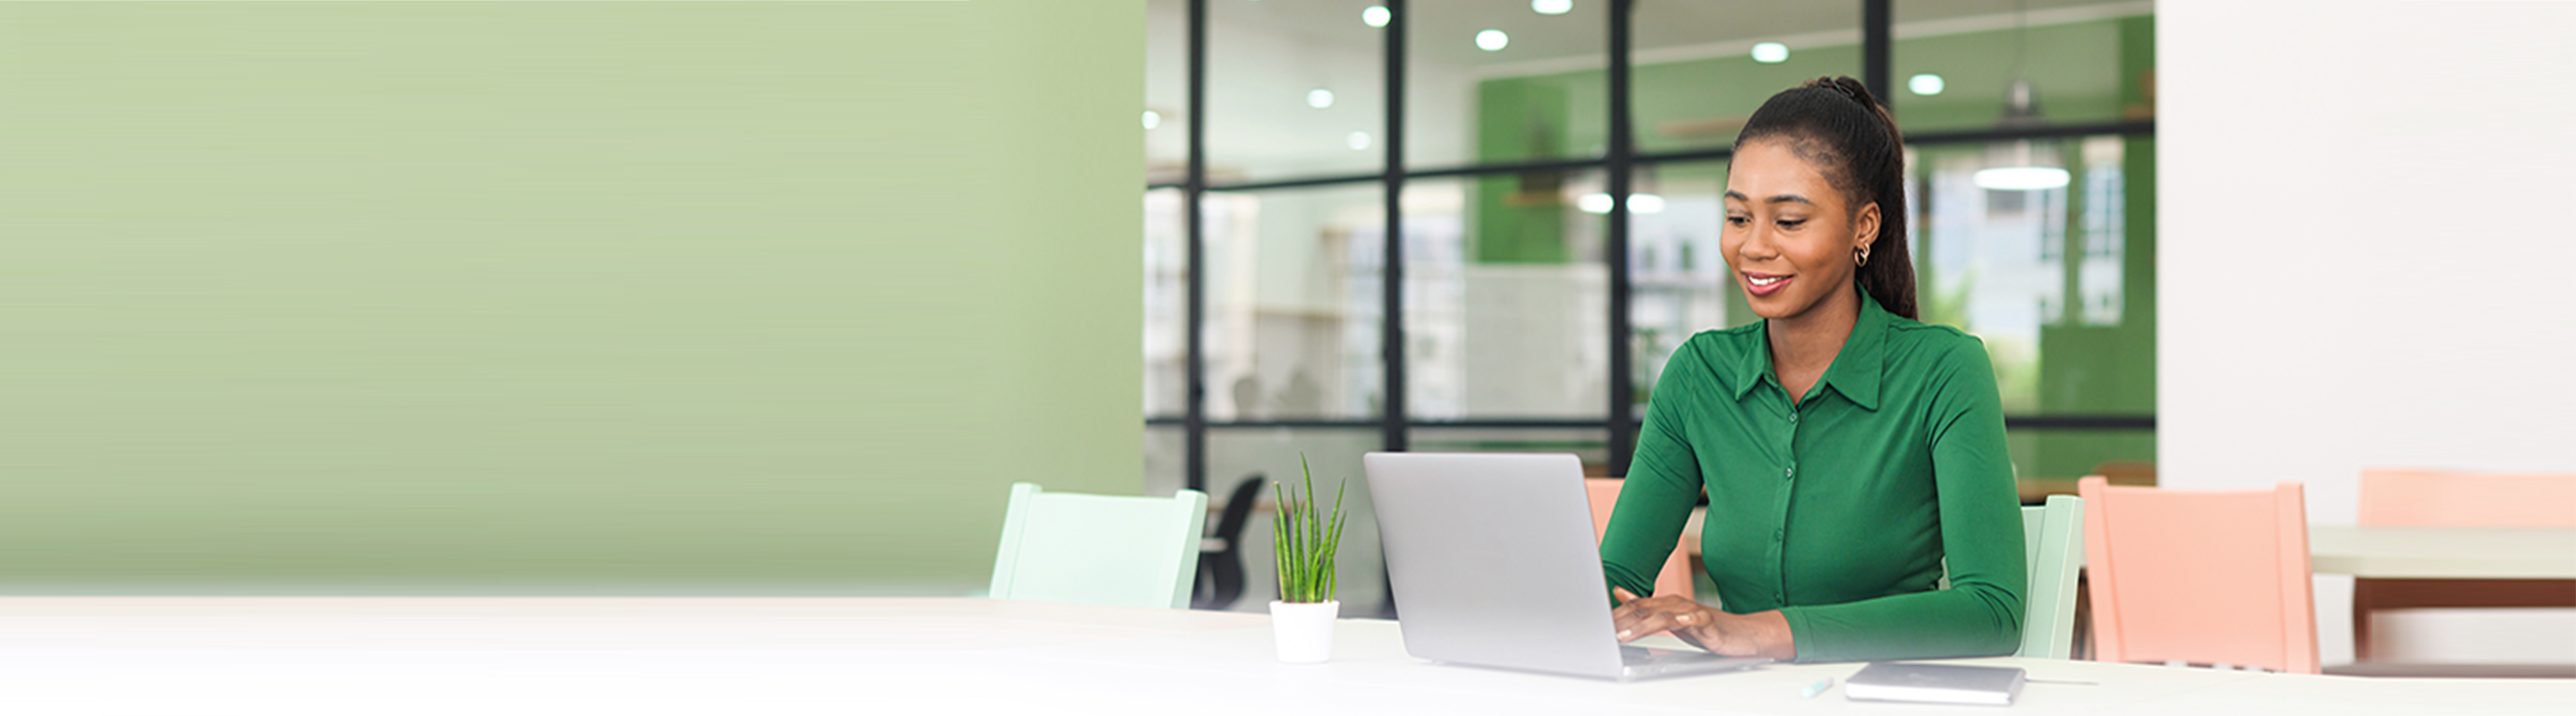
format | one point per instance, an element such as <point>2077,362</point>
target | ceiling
<point>1265,55</point>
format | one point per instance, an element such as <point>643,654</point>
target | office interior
<point>611,300</point>
<point>1504,208</point>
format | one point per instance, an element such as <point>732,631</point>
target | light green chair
<point>1099,549</point>
<point>2053,545</point>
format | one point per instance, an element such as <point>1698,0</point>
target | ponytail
<point>1837,123</point>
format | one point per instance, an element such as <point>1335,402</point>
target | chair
<point>1099,549</point>
<point>2053,546</point>
<point>2431,498</point>
<point>2200,576</point>
<point>2427,498</point>
<point>1676,577</point>
<point>1220,579</point>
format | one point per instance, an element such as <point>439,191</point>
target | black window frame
<point>1618,163</point>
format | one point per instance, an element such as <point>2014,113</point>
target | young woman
<point>1846,448</point>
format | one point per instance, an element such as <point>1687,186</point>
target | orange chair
<point>2428,498</point>
<point>1676,577</point>
<point>2198,576</point>
<point>2432,498</point>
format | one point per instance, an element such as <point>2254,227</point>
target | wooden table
<point>2424,567</point>
<point>628,656</point>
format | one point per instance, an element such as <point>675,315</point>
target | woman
<point>1846,448</point>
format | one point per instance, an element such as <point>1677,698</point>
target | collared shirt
<point>1837,510</point>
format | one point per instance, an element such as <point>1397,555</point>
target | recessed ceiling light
<point>1358,141</point>
<point>1593,203</point>
<point>1645,203</point>
<point>1153,119</point>
<point>1552,7</point>
<point>1770,52</point>
<point>1319,98</point>
<point>2021,178</point>
<point>1491,40</point>
<point>1926,85</point>
<point>1376,16</point>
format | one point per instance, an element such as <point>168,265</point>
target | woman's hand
<point>1759,634</point>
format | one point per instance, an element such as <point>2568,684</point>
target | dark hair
<point>1834,122</point>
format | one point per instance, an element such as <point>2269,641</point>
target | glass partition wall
<point>1471,225</point>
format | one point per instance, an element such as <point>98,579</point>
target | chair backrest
<point>1238,511</point>
<point>2200,576</point>
<point>1676,577</point>
<point>2433,498</point>
<point>1099,549</point>
<point>2053,543</point>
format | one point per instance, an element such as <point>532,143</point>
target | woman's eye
<point>1737,220</point>
<point>1791,223</point>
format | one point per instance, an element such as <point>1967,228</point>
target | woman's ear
<point>1865,227</point>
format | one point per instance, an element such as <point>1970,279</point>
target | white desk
<point>2442,553</point>
<point>948,656</point>
<point>2416,567</point>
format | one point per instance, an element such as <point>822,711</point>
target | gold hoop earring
<point>1860,256</point>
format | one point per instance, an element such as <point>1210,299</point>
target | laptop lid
<point>1492,560</point>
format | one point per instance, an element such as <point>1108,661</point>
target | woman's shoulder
<point>1718,354</point>
<point>1931,345</point>
<point>1724,346</point>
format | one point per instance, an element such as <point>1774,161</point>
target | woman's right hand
<point>1717,631</point>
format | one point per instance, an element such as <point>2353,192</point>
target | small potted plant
<point>1304,540</point>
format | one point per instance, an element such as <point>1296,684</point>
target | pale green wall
<point>558,297</point>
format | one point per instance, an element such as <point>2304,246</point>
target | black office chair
<point>1220,579</point>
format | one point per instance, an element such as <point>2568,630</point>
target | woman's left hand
<point>1759,634</point>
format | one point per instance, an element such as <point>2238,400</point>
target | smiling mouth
<point>1764,284</point>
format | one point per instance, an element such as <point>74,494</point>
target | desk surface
<point>838,656</point>
<point>2407,552</point>
<point>2442,552</point>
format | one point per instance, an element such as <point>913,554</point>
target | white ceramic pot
<point>1304,631</point>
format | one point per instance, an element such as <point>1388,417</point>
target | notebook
<point>1934,683</point>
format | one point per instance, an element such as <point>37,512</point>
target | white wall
<point>2365,261</point>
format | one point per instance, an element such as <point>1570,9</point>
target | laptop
<point>1493,563</point>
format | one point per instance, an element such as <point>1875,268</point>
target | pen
<point>1818,688</point>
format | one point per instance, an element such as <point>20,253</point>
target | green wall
<point>558,297</point>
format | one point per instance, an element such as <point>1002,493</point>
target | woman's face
<point>1789,233</point>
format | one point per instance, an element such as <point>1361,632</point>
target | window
<point>1514,267</point>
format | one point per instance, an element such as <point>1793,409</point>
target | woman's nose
<point>1758,245</point>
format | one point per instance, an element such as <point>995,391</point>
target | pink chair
<point>2433,498</point>
<point>2198,576</point>
<point>1676,577</point>
<point>2430,498</point>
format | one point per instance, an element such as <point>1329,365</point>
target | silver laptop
<point>1493,563</point>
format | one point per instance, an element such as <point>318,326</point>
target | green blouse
<point>1837,511</point>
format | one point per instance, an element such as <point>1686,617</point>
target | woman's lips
<point>1765,284</point>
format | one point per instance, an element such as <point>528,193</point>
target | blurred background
<point>1534,312</point>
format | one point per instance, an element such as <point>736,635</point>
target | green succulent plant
<point>1304,539</point>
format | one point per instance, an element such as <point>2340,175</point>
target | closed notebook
<point>1934,683</point>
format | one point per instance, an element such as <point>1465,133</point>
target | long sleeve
<point>1663,481</point>
<point>1980,532</point>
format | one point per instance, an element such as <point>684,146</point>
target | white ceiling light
<point>2021,165</point>
<point>2021,178</point>
<point>1319,98</point>
<point>1552,7</point>
<point>1770,52</point>
<point>1491,40</point>
<point>1926,85</point>
<point>1358,140</point>
<point>1600,203</point>
<point>1376,16</point>
<point>1153,119</point>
